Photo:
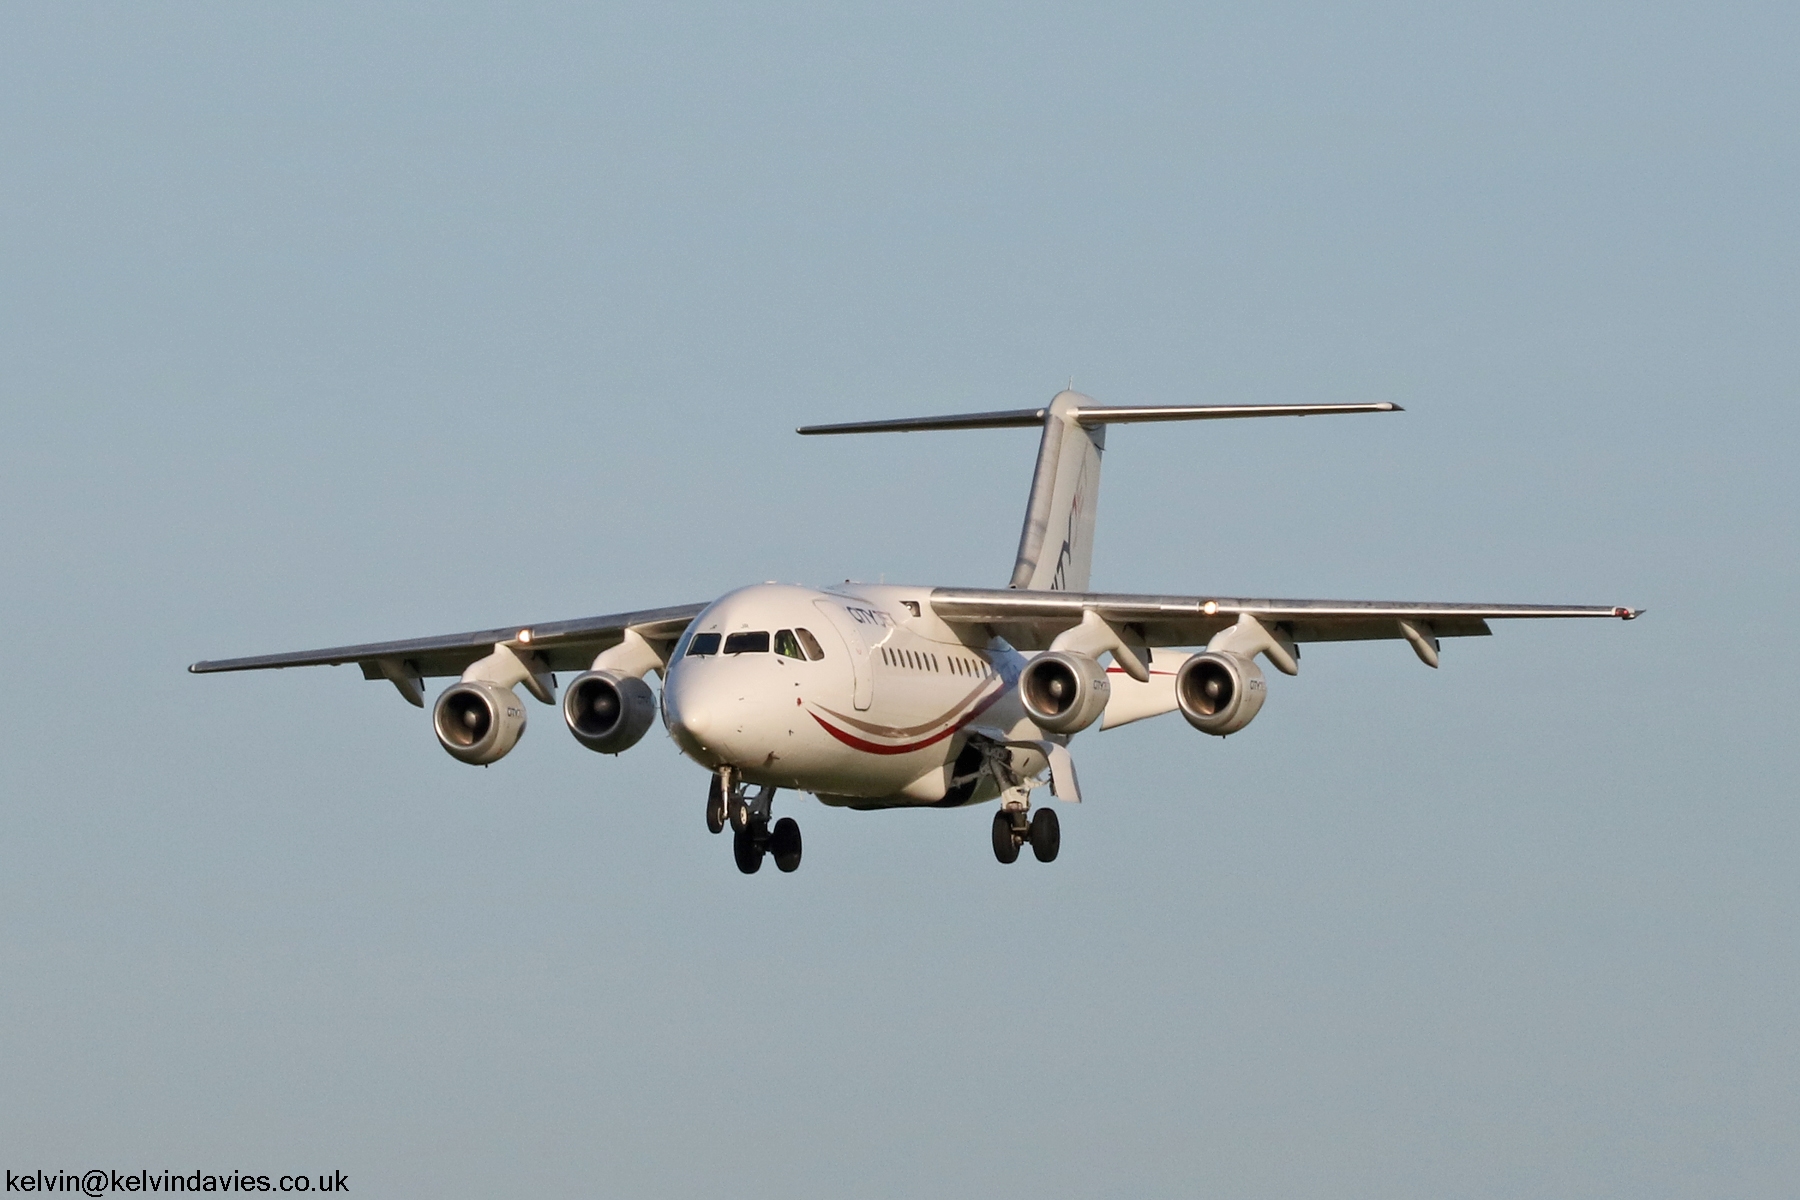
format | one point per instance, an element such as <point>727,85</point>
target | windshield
<point>703,643</point>
<point>747,643</point>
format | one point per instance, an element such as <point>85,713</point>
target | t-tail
<point>1056,545</point>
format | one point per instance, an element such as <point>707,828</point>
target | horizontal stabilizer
<point>1012,418</point>
<point>1096,414</point>
<point>1133,413</point>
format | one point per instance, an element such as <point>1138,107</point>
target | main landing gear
<point>730,802</point>
<point>1015,824</point>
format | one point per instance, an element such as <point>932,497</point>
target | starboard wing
<point>561,645</point>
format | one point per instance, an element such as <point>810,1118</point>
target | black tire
<point>747,848</point>
<point>715,806</point>
<point>784,843</point>
<point>1045,835</point>
<point>1006,849</point>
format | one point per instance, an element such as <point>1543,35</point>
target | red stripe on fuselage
<point>868,747</point>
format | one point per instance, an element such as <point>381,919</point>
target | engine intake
<point>608,712</point>
<point>1064,692</point>
<point>1219,693</point>
<point>478,721</point>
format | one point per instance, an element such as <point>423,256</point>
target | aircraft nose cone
<point>694,720</point>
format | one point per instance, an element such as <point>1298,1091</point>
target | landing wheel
<point>715,805</point>
<point>1045,835</point>
<point>747,848</point>
<point>784,843</point>
<point>1006,844</point>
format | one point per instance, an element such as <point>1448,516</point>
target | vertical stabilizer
<point>1056,546</point>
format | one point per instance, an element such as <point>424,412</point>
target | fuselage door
<point>856,646</point>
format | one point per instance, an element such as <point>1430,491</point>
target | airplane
<point>908,696</point>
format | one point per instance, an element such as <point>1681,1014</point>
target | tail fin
<point>1065,488</point>
<point>1065,491</point>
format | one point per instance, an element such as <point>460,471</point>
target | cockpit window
<point>748,643</point>
<point>814,651</point>
<point>703,643</point>
<point>785,644</point>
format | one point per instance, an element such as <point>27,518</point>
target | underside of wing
<point>1031,620</point>
<point>558,645</point>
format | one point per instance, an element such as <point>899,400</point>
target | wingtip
<point>1394,408</point>
<point>1629,614</point>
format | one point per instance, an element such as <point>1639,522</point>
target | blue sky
<point>323,325</point>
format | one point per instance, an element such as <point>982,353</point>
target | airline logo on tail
<point>1059,579</point>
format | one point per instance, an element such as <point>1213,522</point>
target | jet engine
<point>1219,693</point>
<point>1064,692</point>
<point>607,711</point>
<point>478,721</point>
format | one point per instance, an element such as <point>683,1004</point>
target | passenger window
<point>786,644</point>
<point>703,643</point>
<point>814,651</point>
<point>748,643</point>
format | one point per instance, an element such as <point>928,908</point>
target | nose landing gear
<point>715,805</point>
<point>729,801</point>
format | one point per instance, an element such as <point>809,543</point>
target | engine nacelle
<point>1219,693</point>
<point>608,712</point>
<point>478,721</point>
<point>1064,692</point>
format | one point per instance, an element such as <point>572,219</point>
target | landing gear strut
<point>729,801</point>
<point>1015,825</point>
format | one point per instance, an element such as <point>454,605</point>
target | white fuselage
<point>880,719</point>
